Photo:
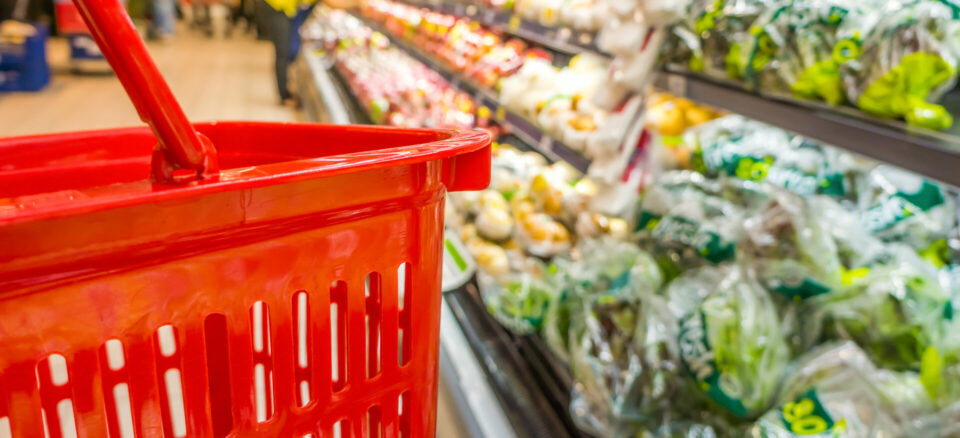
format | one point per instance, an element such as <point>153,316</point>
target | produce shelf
<point>326,96</point>
<point>558,39</point>
<point>516,124</point>
<point>930,153</point>
<point>531,388</point>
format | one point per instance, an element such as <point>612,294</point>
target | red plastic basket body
<point>298,295</point>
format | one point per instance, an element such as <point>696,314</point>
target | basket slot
<point>372,286</point>
<point>302,336</point>
<point>403,415</point>
<point>374,428</point>
<point>115,380</point>
<point>170,381</point>
<point>338,335</point>
<point>216,340</point>
<point>56,397</point>
<point>403,300</point>
<point>341,429</point>
<point>262,361</point>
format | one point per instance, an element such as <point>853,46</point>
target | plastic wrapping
<point>790,250</point>
<point>792,48</point>
<point>750,150</point>
<point>901,58</point>
<point>731,339</point>
<point>714,33</point>
<point>897,206</point>
<point>687,220</point>
<point>518,299</point>
<point>835,391</point>
<point>893,306</point>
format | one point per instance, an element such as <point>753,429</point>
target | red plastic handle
<point>179,145</point>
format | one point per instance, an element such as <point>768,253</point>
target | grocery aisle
<point>237,83</point>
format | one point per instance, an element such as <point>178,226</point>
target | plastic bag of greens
<point>625,364</point>
<point>835,391</point>
<point>892,306</point>
<point>901,59</point>
<point>898,206</point>
<point>722,28</point>
<point>519,299</point>
<point>732,343</point>
<point>750,150</point>
<point>792,45</point>
<point>789,249</point>
<point>600,265</point>
<point>687,221</point>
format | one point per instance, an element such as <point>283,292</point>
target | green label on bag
<point>806,289</point>
<point>688,233</point>
<point>901,205</point>
<point>697,358</point>
<point>724,157</point>
<point>806,416</point>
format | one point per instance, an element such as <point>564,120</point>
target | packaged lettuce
<point>732,343</point>
<point>899,206</point>
<point>835,391</point>
<point>686,220</point>
<point>792,48</point>
<point>750,150</point>
<point>892,306</point>
<point>625,360</point>
<point>723,28</point>
<point>518,299</point>
<point>600,265</point>
<point>790,250</point>
<point>900,59</point>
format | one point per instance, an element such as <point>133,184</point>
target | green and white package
<point>624,360</point>
<point>792,48</point>
<point>790,250</point>
<point>687,220</point>
<point>898,206</point>
<point>834,391</point>
<point>732,343</point>
<point>900,59</point>
<point>749,150</point>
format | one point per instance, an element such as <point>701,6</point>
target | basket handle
<point>179,146</point>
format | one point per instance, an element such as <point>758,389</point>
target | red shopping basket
<point>284,283</point>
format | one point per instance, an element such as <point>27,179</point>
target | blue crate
<point>23,67</point>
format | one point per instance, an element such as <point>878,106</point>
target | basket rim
<point>29,208</point>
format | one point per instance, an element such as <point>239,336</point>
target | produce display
<point>766,286</point>
<point>570,103</point>
<point>893,59</point>
<point>721,277</point>
<point>393,88</point>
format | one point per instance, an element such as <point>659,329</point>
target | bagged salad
<point>732,342</point>
<point>900,59</point>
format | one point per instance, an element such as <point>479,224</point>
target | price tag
<point>677,85</point>
<point>514,23</point>
<point>501,113</point>
<point>471,10</point>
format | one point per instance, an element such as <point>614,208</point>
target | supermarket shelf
<point>930,153</point>
<point>516,124</point>
<point>325,96</point>
<point>558,39</point>
<point>531,388</point>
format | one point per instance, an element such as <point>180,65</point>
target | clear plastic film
<point>901,58</point>
<point>732,343</point>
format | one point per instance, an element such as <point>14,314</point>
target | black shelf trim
<point>929,153</point>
